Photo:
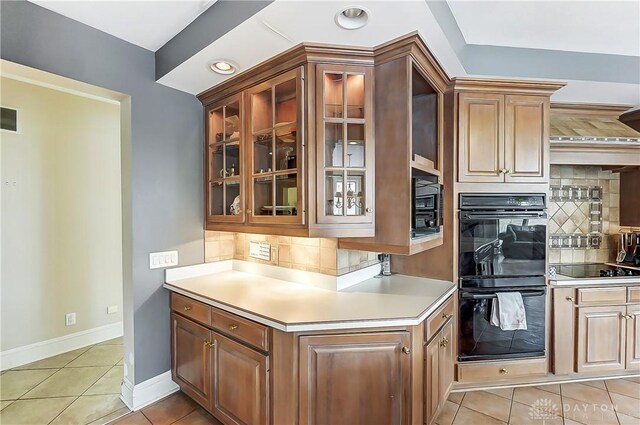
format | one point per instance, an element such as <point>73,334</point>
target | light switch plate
<point>159,260</point>
<point>260,250</point>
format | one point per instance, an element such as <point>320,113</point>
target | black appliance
<point>427,207</point>
<point>502,246</point>
<point>594,271</point>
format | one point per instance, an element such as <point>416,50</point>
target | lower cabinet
<point>191,358</point>
<point>596,330</point>
<point>224,376</point>
<point>438,371</point>
<point>247,374</point>
<point>354,379</point>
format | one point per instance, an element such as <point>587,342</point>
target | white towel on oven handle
<point>507,311</point>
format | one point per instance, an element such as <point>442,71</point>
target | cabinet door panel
<point>526,138</point>
<point>431,379</point>
<point>601,338</point>
<point>354,379</point>
<point>345,147</point>
<point>633,337</point>
<point>563,331</point>
<point>481,137</point>
<point>191,358</point>
<point>239,383</point>
<point>445,361</point>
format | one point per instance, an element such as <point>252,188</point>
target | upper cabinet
<point>291,146</point>
<point>345,148</point>
<point>503,130</point>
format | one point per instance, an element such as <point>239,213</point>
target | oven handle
<point>468,296</point>
<point>503,214</point>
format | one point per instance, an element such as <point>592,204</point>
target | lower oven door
<point>479,340</point>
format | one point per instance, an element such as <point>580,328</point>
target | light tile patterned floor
<point>76,388</point>
<point>610,402</point>
<point>177,409</point>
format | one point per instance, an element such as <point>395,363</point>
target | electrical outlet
<point>159,260</point>
<point>69,319</point>
<point>112,309</point>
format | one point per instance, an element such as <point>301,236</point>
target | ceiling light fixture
<point>224,67</point>
<point>352,17</point>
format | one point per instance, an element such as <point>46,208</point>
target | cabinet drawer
<point>252,333</point>
<point>602,296</point>
<point>501,370</point>
<point>436,320</point>
<point>191,308</point>
<point>633,294</point>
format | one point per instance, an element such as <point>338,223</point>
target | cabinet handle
<point>369,210</point>
<point>233,327</point>
<point>570,299</point>
<point>504,371</point>
<point>446,316</point>
<point>406,350</point>
<point>187,307</point>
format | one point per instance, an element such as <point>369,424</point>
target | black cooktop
<point>586,271</point>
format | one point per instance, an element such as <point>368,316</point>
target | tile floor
<point>610,402</point>
<point>176,409</point>
<point>74,388</point>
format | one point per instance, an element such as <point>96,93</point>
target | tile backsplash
<point>593,223</point>
<point>320,255</point>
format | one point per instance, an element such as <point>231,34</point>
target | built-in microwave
<point>427,207</point>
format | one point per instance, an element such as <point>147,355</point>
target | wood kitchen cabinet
<point>240,377</point>
<point>330,393</point>
<point>503,130</point>
<point>191,358</point>
<point>596,330</point>
<point>438,367</point>
<point>302,161</point>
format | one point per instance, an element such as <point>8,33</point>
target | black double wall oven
<point>502,245</point>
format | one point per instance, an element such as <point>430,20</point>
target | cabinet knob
<point>570,299</point>
<point>406,350</point>
<point>502,171</point>
<point>504,371</point>
<point>444,342</point>
<point>187,307</point>
<point>446,316</point>
<point>233,327</point>
<point>627,316</point>
<point>508,171</point>
<point>368,210</point>
<point>209,343</point>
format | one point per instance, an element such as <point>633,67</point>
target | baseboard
<point>41,350</point>
<point>143,394</point>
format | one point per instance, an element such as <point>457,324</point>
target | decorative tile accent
<point>583,210</point>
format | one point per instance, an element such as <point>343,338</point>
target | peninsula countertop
<point>396,300</point>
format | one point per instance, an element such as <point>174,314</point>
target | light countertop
<point>396,300</point>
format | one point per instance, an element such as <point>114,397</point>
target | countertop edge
<point>318,326</point>
<point>567,281</point>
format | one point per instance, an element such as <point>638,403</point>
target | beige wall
<point>319,255</point>
<point>61,219</point>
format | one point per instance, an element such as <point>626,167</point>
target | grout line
<point>612,404</point>
<point>511,406</point>
<point>32,388</point>
<point>63,410</point>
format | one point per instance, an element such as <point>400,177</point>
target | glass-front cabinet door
<point>275,150</point>
<point>345,144</point>
<point>225,197</point>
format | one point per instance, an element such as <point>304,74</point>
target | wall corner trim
<point>147,392</point>
<point>20,356</point>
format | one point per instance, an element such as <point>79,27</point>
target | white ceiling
<point>311,21</point>
<point>611,27</point>
<point>149,23</point>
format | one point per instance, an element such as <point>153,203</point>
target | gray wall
<point>166,154</point>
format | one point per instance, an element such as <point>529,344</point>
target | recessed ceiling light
<point>223,67</point>
<point>352,17</point>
